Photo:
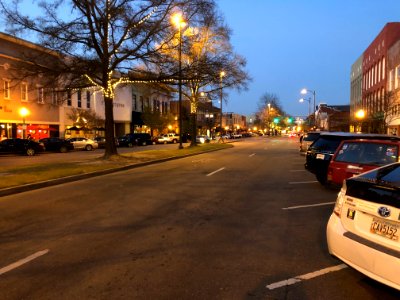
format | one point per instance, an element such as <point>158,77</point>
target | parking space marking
<point>310,205</point>
<point>251,155</point>
<point>307,276</point>
<point>212,173</point>
<point>303,182</point>
<point>23,261</point>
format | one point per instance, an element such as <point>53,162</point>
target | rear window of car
<point>311,136</point>
<point>367,153</point>
<point>389,175</point>
<point>326,144</point>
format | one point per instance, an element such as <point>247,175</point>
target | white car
<point>364,228</point>
<point>81,143</point>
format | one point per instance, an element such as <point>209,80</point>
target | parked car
<point>307,139</point>
<point>320,152</point>
<point>21,146</point>
<point>82,143</point>
<point>202,139</point>
<point>57,144</point>
<point>132,139</point>
<point>354,157</point>
<point>101,141</point>
<point>167,138</point>
<point>363,230</point>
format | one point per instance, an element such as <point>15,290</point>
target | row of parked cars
<point>31,147</point>
<point>364,228</point>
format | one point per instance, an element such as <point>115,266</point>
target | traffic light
<point>290,120</point>
<point>276,120</point>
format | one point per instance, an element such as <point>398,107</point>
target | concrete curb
<point>57,181</point>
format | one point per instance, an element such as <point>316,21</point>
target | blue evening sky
<point>292,44</point>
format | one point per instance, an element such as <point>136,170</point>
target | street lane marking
<point>212,173</point>
<point>23,261</point>
<point>297,170</point>
<point>305,206</point>
<point>251,155</point>
<point>307,276</point>
<point>302,182</point>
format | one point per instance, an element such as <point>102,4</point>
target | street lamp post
<point>179,23</point>
<point>221,75</point>
<point>305,91</point>
<point>309,105</point>
<point>23,112</point>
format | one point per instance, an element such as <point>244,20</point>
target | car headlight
<point>340,199</point>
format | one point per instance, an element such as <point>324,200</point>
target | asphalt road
<point>242,223</point>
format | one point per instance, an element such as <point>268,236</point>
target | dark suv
<point>320,152</point>
<point>132,139</point>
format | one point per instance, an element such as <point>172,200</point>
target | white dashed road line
<point>212,173</point>
<point>23,261</point>
<point>251,155</point>
<point>307,276</point>
<point>310,205</point>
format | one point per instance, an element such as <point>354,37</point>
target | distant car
<point>307,139</point>
<point>57,144</point>
<point>202,139</point>
<point>363,230</point>
<point>354,157</point>
<point>82,143</point>
<point>135,139</point>
<point>21,146</point>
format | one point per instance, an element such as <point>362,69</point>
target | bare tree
<point>391,109</point>
<point>206,53</point>
<point>97,42</point>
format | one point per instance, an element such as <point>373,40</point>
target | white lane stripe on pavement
<point>307,276</point>
<point>23,261</point>
<point>212,173</point>
<point>251,155</point>
<point>310,205</point>
<point>297,170</point>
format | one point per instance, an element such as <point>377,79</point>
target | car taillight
<point>340,199</point>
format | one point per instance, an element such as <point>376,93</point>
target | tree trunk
<point>110,147</point>
<point>193,130</point>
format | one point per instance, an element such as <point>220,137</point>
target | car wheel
<point>130,145</point>
<point>144,143</point>
<point>88,148</point>
<point>63,149</point>
<point>174,141</point>
<point>30,151</point>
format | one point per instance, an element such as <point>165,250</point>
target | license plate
<point>385,229</point>
<point>320,156</point>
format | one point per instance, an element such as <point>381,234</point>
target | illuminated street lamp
<point>24,112</point>
<point>179,23</point>
<point>305,91</point>
<point>360,115</point>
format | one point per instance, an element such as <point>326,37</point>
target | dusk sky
<point>295,44</point>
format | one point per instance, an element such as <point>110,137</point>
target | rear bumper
<point>375,261</point>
